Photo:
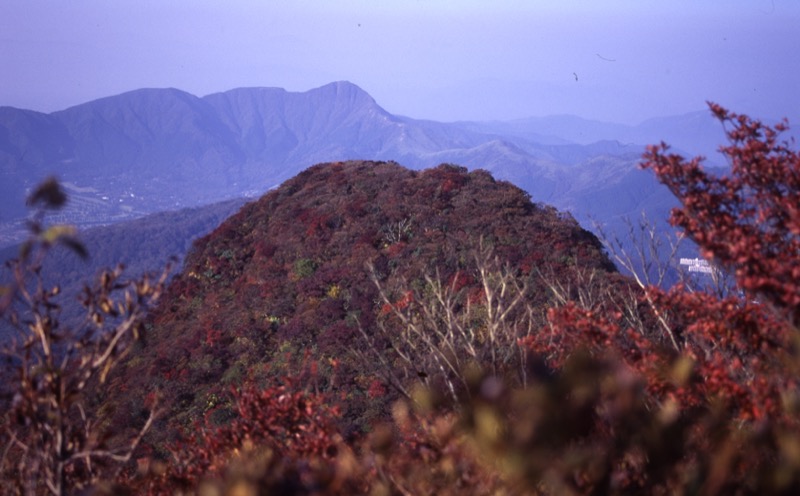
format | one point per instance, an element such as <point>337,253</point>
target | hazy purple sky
<point>446,60</point>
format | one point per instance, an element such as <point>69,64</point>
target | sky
<point>612,60</point>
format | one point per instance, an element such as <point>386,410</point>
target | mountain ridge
<point>153,149</point>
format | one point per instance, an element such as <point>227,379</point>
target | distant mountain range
<point>153,150</point>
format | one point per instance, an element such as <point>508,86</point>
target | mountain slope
<point>167,135</point>
<point>336,121</point>
<point>31,145</point>
<point>286,281</point>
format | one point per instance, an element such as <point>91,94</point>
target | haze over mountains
<point>152,150</point>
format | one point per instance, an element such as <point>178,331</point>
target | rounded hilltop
<point>301,275</point>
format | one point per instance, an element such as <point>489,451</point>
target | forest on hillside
<point>140,246</point>
<point>369,329</point>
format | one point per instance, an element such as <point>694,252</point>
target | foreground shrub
<point>51,441</point>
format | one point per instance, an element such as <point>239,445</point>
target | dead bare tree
<point>648,254</point>
<point>651,256</point>
<point>441,330</point>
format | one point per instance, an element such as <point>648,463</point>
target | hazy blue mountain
<point>144,245</point>
<point>338,121</point>
<point>153,139</point>
<point>694,133</point>
<point>151,150</point>
<point>32,144</point>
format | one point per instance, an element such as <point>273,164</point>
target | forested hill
<point>294,277</point>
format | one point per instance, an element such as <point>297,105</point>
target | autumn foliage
<point>747,221</point>
<point>728,396</point>
<point>288,276</point>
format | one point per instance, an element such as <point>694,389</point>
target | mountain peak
<point>137,97</point>
<point>342,86</point>
<point>290,271</point>
<point>344,91</point>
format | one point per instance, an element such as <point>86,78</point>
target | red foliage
<point>212,336</point>
<point>733,352</point>
<point>377,389</point>
<point>317,225</point>
<point>294,423</point>
<point>733,383</point>
<point>401,304</point>
<point>747,221</point>
<point>460,280</point>
<point>572,327</point>
<point>395,249</point>
<point>738,349</point>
